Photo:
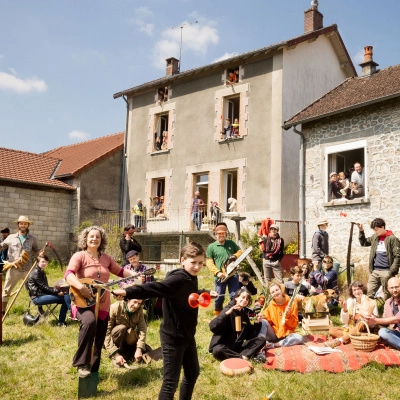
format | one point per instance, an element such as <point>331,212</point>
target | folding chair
<point>45,311</point>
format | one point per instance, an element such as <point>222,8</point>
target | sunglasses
<point>327,261</point>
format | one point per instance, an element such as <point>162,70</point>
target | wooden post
<point>349,254</point>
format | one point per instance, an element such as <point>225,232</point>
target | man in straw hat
<point>21,247</point>
<point>320,244</point>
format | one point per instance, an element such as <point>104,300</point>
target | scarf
<point>272,245</point>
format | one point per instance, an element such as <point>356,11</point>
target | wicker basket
<point>364,341</point>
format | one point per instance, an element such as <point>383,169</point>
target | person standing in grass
<point>178,327</point>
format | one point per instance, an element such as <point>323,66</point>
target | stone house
<point>59,189</point>
<point>176,142</point>
<point>356,122</point>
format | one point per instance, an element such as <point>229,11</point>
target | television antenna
<point>180,47</point>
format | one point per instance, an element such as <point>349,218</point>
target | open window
<point>157,209</point>
<point>161,124</point>
<point>162,94</point>
<point>232,76</point>
<point>346,171</point>
<point>231,123</point>
<point>229,189</point>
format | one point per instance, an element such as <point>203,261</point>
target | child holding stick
<point>178,327</point>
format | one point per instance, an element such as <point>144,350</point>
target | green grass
<point>35,363</point>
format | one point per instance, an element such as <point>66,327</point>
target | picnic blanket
<point>302,359</point>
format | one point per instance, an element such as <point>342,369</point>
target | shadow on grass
<point>21,341</point>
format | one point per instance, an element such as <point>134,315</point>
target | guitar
<point>93,285</point>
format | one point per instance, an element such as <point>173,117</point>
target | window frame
<point>336,149</point>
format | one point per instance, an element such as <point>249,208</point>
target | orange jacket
<point>273,314</point>
<point>264,230</point>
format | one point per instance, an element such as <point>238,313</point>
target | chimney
<point>313,18</point>
<point>172,66</point>
<point>369,65</point>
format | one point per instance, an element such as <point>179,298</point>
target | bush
<point>249,237</point>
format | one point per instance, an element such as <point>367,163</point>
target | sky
<point>61,61</point>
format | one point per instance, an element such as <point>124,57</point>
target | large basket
<point>364,341</point>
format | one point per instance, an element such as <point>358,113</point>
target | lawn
<point>35,363</point>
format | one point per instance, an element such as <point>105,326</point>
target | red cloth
<point>301,359</point>
<point>264,229</point>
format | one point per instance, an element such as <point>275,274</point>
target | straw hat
<point>23,218</point>
<point>322,222</point>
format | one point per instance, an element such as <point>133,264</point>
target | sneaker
<point>84,371</point>
<point>260,358</point>
<point>62,324</point>
<point>333,343</point>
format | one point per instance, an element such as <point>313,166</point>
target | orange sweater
<point>273,314</point>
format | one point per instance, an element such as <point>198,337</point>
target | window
<point>161,132</point>
<point>162,94</point>
<point>157,209</point>
<point>230,187</point>
<point>202,187</point>
<point>346,171</point>
<point>232,76</point>
<point>231,127</point>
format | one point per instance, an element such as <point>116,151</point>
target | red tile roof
<point>352,93</point>
<point>79,157</point>
<point>21,166</point>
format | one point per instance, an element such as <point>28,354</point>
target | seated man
<point>126,332</point>
<point>391,316</point>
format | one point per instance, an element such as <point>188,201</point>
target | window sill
<point>154,153</point>
<point>227,141</point>
<point>340,202</point>
<point>157,219</point>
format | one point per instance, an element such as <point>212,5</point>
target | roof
<point>353,93</point>
<point>79,157</point>
<point>331,31</point>
<point>21,166</point>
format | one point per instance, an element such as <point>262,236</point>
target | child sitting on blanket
<point>296,275</point>
<point>280,321</point>
<point>233,334</point>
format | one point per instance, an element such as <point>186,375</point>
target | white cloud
<point>13,71</point>
<point>196,37</point>
<point>142,14</point>
<point>226,56</point>
<point>359,57</point>
<point>11,82</point>
<point>78,135</point>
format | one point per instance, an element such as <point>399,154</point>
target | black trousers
<point>89,333</point>
<point>248,349</point>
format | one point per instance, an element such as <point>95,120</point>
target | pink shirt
<point>85,266</point>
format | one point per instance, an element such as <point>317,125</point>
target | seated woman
<point>231,339</point>
<point>327,279</point>
<point>41,293</point>
<point>280,319</point>
<point>357,307</point>
<point>305,269</point>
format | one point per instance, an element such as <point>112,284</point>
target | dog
<point>319,303</point>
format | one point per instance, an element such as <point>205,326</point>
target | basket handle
<point>369,333</point>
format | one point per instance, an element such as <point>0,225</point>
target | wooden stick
<point>16,293</point>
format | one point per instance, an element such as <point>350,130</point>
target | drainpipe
<point>302,195</point>
<point>122,202</point>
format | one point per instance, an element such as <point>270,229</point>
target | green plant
<point>292,248</point>
<point>249,237</point>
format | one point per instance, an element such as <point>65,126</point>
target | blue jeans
<point>197,219</point>
<point>290,340</point>
<point>390,337</point>
<point>65,302</point>
<point>175,357</point>
<point>220,288</point>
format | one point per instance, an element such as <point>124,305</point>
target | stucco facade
<point>260,168</point>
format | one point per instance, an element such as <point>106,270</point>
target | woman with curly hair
<point>354,311</point>
<point>91,262</point>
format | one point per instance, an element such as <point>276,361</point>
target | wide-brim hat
<point>23,218</point>
<point>323,222</point>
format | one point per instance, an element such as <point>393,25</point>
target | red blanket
<point>301,359</point>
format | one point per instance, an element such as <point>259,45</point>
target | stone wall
<point>49,209</point>
<point>379,126</point>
